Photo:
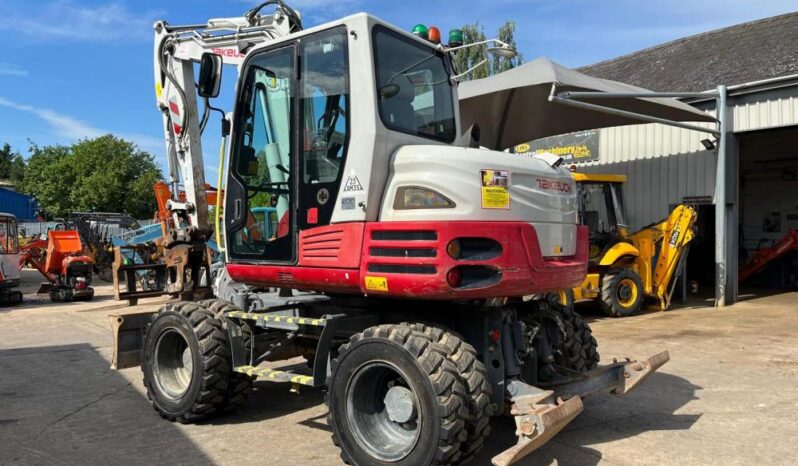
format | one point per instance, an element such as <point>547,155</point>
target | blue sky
<point>75,69</point>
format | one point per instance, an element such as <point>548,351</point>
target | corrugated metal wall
<point>665,164</point>
<point>22,206</point>
<point>656,183</point>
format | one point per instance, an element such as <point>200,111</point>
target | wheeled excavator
<point>422,253</point>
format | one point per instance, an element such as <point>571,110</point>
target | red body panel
<point>522,268</point>
<point>331,246</point>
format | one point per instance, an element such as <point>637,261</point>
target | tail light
<point>454,277</point>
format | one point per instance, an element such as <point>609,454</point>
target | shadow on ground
<point>64,405</point>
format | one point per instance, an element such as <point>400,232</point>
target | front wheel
<point>621,293</point>
<point>395,399</point>
<point>186,362</point>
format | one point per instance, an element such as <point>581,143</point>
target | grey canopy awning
<point>513,107</point>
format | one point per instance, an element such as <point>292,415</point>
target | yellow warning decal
<point>376,283</point>
<point>158,90</point>
<point>495,189</point>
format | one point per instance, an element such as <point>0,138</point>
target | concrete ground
<point>728,396</point>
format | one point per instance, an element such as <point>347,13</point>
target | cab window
<point>263,156</point>
<point>324,99</point>
<point>413,86</point>
<point>8,236</point>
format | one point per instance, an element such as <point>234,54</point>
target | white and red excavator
<point>425,256</point>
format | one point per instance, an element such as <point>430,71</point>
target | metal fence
<point>41,228</point>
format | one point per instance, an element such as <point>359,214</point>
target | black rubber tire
<point>240,384</point>
<point>106,273</point>
<point>475,378</point>
<point>611,303</point>
<point>566,298</point>
<point>210,353</point>
<point>579,350</point>
<point>441,394</point>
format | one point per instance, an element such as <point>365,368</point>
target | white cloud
<point>10,69</point>
<point>73,129</point>
<point>65,20</point>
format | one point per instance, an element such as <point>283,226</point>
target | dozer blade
<point>635,372</point>
<point>128,337</point>
<point>540,415</point>
<point>537,420</point>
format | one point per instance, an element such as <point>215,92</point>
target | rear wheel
<point>186,362</point>
<point>579,349</point>
<point>395,399</point>
<point>564,297</point>
<point>621,293</point>
<point>475,378</point>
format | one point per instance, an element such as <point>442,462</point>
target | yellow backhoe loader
<point>627,269</point>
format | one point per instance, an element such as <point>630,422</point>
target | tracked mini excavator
<point>425,256</point>
<point>9,261</point>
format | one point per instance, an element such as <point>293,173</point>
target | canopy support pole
<point>726,235</point>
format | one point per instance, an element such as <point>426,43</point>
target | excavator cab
<point>601,209</point>
<point>9,261</point>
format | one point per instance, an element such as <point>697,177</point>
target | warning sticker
<point>353,184</point>
<point>495,193</point>
<point>347,203</point>
<point>376,283</point>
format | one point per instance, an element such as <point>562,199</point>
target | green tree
<point>466,58</point>
<point>506,34</point>
<point>12,165</point>
<point>105,174</point>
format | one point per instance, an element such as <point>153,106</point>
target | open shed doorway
<point>768,201</point>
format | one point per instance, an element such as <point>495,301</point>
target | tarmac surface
<point>728,396</point>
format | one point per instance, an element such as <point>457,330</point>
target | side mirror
<point>389,91</point>
<point>210,75</point>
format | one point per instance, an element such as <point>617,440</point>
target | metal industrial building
<point>23,207</point>
<point>754,201</point>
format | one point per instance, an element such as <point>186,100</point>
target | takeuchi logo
<point>228,52</point>
<point>554,185</point>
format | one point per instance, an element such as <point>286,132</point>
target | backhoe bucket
<point>128,337</point>
<point>541,414</point>
<point>44,288</point>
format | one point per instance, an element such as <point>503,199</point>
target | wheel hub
<point>399,404</point>
<point>382,411</point>
<point>624,292</point>
<point>174,364</point>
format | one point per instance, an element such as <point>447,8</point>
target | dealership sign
<point>572,147</point>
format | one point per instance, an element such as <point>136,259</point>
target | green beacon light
<point>419,30</point>
<point>455,37</point>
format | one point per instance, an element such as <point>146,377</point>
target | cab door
<point>261,175</point>
<point>324,124</point>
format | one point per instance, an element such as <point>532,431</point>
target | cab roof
<point>598,177</point>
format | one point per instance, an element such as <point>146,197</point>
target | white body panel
<point>538,193</point>
<point>9,265</point>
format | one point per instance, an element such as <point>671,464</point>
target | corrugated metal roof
<point>767,48</point>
